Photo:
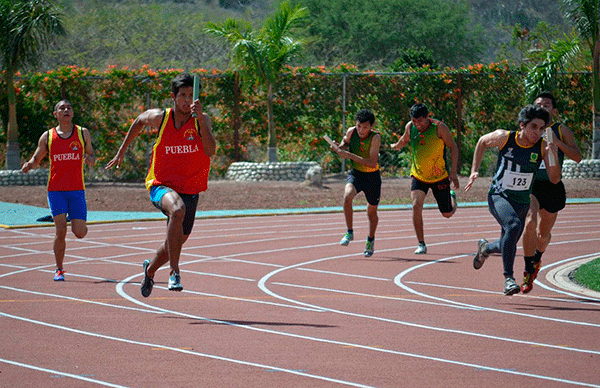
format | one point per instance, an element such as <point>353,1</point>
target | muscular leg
<point>454,207</point>
<point>349,194</point>
<point>373,219</point>
<point>60,223</point>
<point>79,228</point>
<point>545,226</point>
<point>170,250</point>
<point>418,198</point>
<point>160,258</point>
<point>530,239</point>
<point>511,217</point>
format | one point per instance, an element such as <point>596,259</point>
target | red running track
<point>276,302</point>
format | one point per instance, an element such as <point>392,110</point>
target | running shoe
<point>369,248</point>
<point>59,275</point>
<point>421,249</point>
<point>481,255</point>
<point>349,236</point>
<point>511,287</point>
<point>528,278</point>
<point>148,282</point>
<point>174,283</point>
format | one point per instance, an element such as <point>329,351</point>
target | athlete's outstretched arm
<point>152,118</point>
<point>568,145</point>
<point>444,133</point>
<point>89,154</point>
<point>40,152</point>
<point>492,139</point>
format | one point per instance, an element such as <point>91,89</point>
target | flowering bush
<point>309,103</point>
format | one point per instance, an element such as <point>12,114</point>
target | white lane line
<point>46,294</point>
<point>263,287</point>
<point>399,283</point>
<point>364,347</point>
<point>185,351</point>
<point>59,373</point>
<point>398,298</point>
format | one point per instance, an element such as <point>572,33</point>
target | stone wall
<point>587,168</point>
<point>290,171</point>
<point>37,177</point>
<point>283,171</point>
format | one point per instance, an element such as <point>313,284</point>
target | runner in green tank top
<point>547,198</point>
<point>428,139</point>
<point>361,145</point>
<point>520,155</point>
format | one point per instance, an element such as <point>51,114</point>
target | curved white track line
<point>55,372</point>
<point>398,282</point>
<point>190,352</point>
<point>263,287</point>
<point>359,346</point>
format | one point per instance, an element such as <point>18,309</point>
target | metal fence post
<point>344,77</point>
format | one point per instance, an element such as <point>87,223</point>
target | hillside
<point>169,34</point>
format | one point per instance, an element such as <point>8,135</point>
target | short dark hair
<point>531,112</point>
<point>365,115</point>
<point>418,110</point>
<point>549,96</point>
<point>182,80</point>
<point>60,102</point>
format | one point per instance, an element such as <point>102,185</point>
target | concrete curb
<point>559,277</point>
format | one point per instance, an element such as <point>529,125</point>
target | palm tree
<point>585,14</point>
<point>260,55</point>
<point>28,27</point>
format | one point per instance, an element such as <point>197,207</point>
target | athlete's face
<point>545,103</point>
<point>63,111</point>
<point>422,123</point>
<point>363,129</point>
<point>184,98</point>
<point>533,131</point>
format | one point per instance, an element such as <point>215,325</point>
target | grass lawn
<point>588,275</point>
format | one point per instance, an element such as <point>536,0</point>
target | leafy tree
<point>261,55</point>
<point>414,58</point>
<point>28,27</point>
<point>132,34</point>
<point>585,15</point>
<point>373,33</point>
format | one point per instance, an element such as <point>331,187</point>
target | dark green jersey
<point>515,168</point>
<point>542,174</point>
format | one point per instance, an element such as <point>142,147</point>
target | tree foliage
<point>309,103</point>
<point>161,34</point>
<point>28,27</point>
<point>371,33</point>
<point>261,55</point>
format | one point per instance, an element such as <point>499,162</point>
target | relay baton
<point>550,139</point>
<point>196,90</point>
<point>328,140</point>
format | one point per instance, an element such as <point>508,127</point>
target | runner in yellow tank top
<point>361,145</point>
<point>428,139</point>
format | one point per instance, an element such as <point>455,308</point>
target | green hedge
<point>309,103</point>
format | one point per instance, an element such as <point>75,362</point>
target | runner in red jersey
<point>178,171</point>
<point>69,146</point>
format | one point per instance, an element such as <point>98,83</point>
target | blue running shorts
<point>70,202</point>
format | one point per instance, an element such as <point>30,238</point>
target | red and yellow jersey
<point>66,161</point>
<point>428,163</point>
<point>178,158</point>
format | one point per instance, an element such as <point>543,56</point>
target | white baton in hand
<point>196,91</point>
<point>328,140</point>
<point>550,139</point>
